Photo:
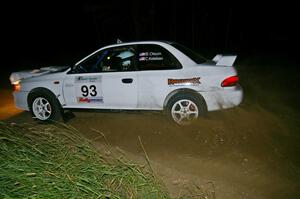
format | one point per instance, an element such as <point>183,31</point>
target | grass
<point>54,161</point>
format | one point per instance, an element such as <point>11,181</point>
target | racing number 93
<point>91,90</point>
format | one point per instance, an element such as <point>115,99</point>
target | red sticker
<point>192,81</point>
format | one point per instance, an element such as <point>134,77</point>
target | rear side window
<point>190,53</point>
<point>155,57</point>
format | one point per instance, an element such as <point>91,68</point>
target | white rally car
<point>146,75</point>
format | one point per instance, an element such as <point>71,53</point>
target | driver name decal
<point>150,56</point>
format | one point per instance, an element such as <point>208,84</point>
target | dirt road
<point>245,152</point>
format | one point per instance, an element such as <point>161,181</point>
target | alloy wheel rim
<point>41,108</point>
<point>184,111</point>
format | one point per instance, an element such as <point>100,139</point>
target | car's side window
<point>155,57</point>
<point>122,58</point>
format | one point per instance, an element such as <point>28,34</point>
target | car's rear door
<point>156,66</point>
<point>105,80</point>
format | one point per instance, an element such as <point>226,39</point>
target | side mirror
<point>72,69</point>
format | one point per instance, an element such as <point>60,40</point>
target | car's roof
<point>183,58</point>
<point>138,42</point>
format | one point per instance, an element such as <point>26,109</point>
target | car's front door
<point>105,80</point>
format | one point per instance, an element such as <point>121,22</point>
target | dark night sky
<point>58,33</point>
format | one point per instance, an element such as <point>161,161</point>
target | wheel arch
<point>183,91</point>
<point>40,90</point>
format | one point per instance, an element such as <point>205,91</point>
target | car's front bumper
<point>20,99</point>
<point>224,98</point>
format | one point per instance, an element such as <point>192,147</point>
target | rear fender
<point>183,90</point>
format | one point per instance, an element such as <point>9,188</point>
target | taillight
<point>16,86</point>
<point>230,81</point>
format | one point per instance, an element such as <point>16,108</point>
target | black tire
<point>189,96</point>
<point>56,110</point>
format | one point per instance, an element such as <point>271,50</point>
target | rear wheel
<point>185,107</point>
<point>44,106</point>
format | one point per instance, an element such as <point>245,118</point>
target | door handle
<point>127,80</point>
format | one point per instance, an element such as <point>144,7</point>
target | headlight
<point>16,86</point>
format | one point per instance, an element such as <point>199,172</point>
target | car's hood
<point>17,76</point>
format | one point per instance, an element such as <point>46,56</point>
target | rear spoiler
<point>224,60</point>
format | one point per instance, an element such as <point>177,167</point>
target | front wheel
<point>45,107</point>
<point>185,108</point>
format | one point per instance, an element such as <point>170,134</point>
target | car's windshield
<point>190,53</point>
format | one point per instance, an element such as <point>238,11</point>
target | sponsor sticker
<point>90,99</point>
<point>88,79</point>
<point>180,82</point>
